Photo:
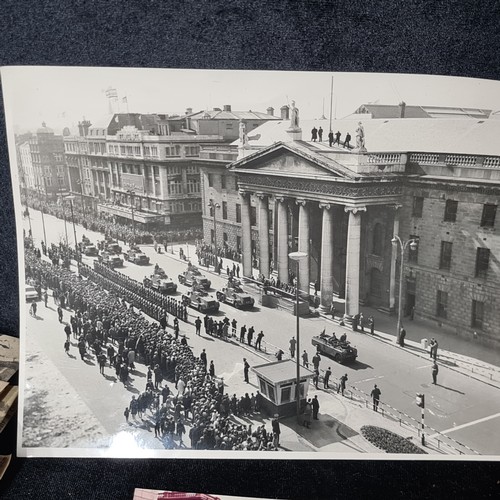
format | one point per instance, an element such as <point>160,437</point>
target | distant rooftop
<point>280,371</point>
<point>228,114</point>
<point>402,110</point>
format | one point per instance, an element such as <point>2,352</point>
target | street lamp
<point>214,206</point>
<point>78,255</point>
<point>402,244</point>
<point>41,210</point>
<point>297,257</point>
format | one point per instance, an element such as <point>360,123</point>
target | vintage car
<point>188,278</point>
<point>233,294</point>
<point>160,282</point>
<point>136,256</point>
<point>30,293</point>
<point>110,260</point>
<point>200,300</point>
<point>340,350</point>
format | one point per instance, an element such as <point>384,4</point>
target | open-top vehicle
<point>338,349</point>
<point>110,260</point>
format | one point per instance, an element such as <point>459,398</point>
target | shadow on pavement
<point>451,389</point>
<point>110,377</point>
<point>325,431</point>
<point>359,365</point>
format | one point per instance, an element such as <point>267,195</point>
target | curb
<point>419,354</point>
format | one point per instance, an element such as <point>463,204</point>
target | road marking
<point>368,379</point>
<point>474,422</point>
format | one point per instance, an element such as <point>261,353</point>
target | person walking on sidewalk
<point>259,340</point>
<point>402,335</point>
<point>333,310</point>
<point>293,342</point>
<point>315,360</point>
<point>316,378</point>
<point>275,424</point>
<point>435,371</point>
<point>243,332</point>
<point>375,394</point>
<point>342,382</point>
<point>371,324</point>
<point>434,348</point>
<point>326,378</point>
<point>315,407</point>
<point>305,359</point>
<point>198,325</point>
<point>246,368</point>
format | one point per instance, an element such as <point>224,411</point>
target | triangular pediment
<point>290,159</point>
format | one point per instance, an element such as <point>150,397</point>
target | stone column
<point>264,233</point>
<point>282,239</point>
<point>304,272</point>
<point>246,234</point>
<point>394,257</point>
<point>326,281</point>
<point>352,262</point>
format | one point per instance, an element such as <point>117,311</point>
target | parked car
<point>30,293</point>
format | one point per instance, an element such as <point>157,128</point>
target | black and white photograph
<point>256,264</point>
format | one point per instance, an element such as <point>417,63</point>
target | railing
<point>461,160</point>
<point>424,158</point>
<point>384,158</point>
<point>491,162</point>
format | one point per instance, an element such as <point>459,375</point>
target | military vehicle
<point>189,278</point>
<point>110,260</point>
<point>136,256</point>
<point>233,294</point>
<point>340,350</point>
<point>160,282</point>
<point>200,300</point>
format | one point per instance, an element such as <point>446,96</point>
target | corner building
<point>436,181</point>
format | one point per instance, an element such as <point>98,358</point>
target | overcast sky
<point>63,96</point>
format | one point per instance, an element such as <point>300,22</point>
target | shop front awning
<point>126,213</point>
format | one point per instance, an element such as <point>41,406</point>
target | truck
<point>136,256</point>
<point>339,349</point>
<point>200,300</point>
<point>234,295</point>
<point>189,278</point>
<point>110,260</point>
<point>160,282</point>
<point>89,249</point>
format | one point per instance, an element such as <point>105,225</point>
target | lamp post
<point>402,244</point>
<point>214,206</point>
<point>78,255</point>
<point>43,218</point>
<point>298,257</point>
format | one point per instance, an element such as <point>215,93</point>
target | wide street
<point>465,409</point>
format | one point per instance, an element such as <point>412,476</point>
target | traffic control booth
<point>277,385</point>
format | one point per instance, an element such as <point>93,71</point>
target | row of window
<point>451,210</point>
<point>253,214</point>
<point>482,259</point>
<point>223,182</point>
<point>477,310</point>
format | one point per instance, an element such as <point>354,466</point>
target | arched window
<point>375,282</point>
<point>377,239</point>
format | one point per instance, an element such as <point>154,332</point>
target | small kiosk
<point>277,385</point>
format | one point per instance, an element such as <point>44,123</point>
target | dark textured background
<point>459,38</point>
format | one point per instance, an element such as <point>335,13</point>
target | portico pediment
<point>291,160</point>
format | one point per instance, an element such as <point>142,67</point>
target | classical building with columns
<point>435,181</point>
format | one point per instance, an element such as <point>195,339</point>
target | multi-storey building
<point>46,174</point>
<point>435,181</point>
<point>147,162</point>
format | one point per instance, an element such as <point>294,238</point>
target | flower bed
<point>389,441</point>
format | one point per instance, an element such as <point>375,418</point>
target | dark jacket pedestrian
<point>402,335</point>
<point>435,371</point>
<point>347,140</point>
<point>314,134</point>
<point>342,382</point>
<point>326,378</point>
<point>315,407</point>
<point>246,369</point>
<point>375,394</point>
<point>337,138</point>
<point>330,138</point>
<point>320,134</point>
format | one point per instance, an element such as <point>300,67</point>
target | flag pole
<point>331,104</point>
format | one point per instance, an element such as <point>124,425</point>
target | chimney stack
<point>270,111</point>
<point>189,111</point>
<point>402,108</point>
<point>285,112</point>
<point>227,107</point>
<point>80,129</point>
